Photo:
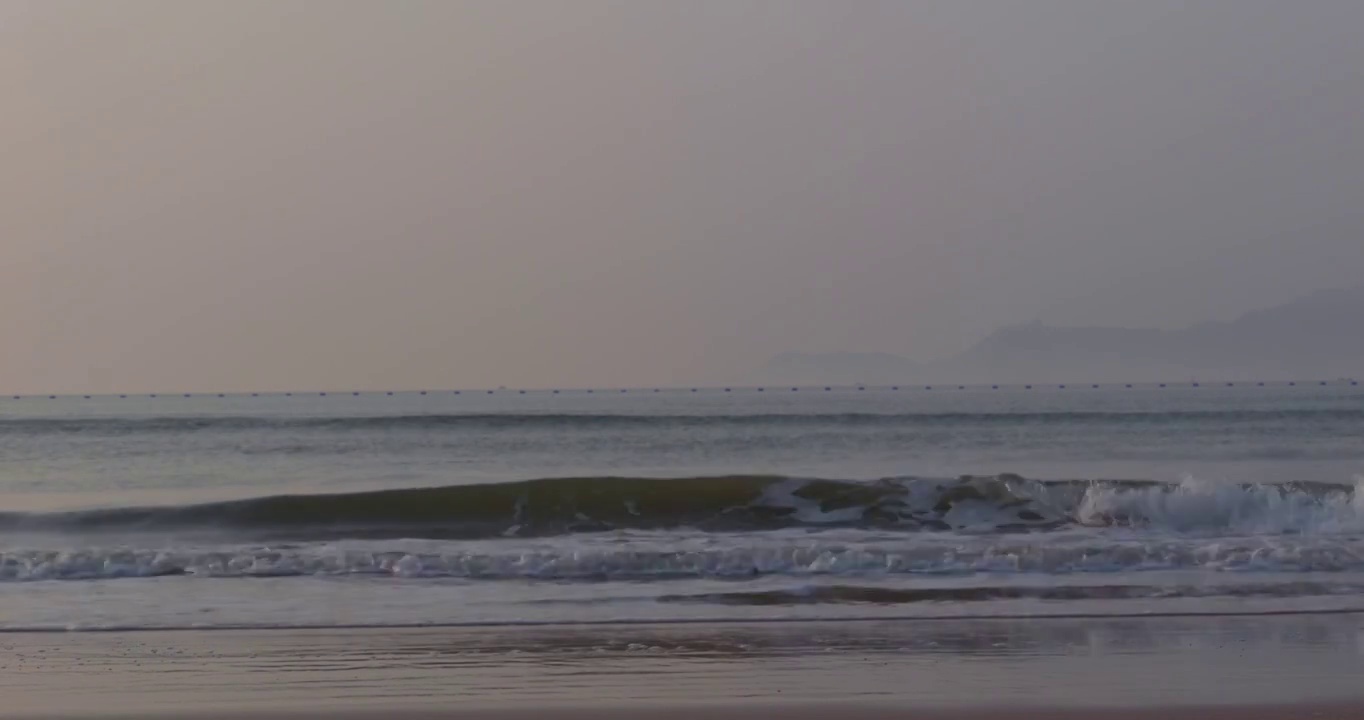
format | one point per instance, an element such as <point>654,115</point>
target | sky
<point>345,194</point>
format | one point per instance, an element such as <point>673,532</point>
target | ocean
<point>707,505</point>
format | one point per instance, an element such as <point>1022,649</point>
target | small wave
<point>1033,619</point>
<point>873,595</point>
<point>742,503</point>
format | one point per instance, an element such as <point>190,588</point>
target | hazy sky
<point>306,194</point>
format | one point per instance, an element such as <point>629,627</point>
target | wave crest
<point>556,506</point>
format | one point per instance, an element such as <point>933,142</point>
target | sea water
<point>679,505</point>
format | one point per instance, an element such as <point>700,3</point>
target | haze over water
<point>320,195</point>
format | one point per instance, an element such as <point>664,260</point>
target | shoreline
<point>515,625</point>
<point>1133,668</point>
<point>1304,711</point>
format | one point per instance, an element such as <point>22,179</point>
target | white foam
<point>1197,505</point>
<point>623,557</point>
<point>987,504</point>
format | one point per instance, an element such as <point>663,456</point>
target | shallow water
<point>906,666</point>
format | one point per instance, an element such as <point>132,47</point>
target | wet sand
<point>1257,668</point>
<point>831,712</point>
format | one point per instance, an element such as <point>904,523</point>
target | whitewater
<point>685,505</point>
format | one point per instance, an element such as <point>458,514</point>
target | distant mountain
<point>1320,336</point>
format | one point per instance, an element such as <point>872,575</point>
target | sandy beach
<point>1305,711</point>
<point>1212,667</point>
<point>831,712</point>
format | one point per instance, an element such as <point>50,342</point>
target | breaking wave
<point>645,559</point>
<point>558,506</point>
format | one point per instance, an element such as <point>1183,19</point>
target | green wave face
<point>739,503</point>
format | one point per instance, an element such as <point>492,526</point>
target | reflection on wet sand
<point>1042,663</point>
